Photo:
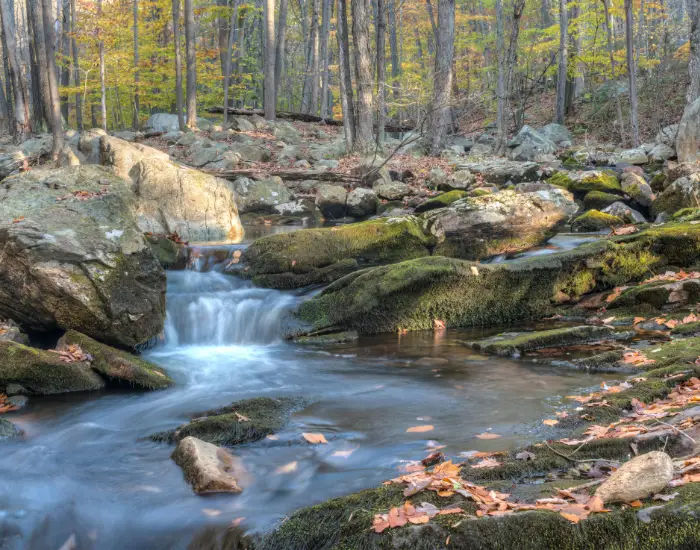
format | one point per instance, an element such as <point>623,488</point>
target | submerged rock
<point>208,468</point>
<point>71,256</point>
<point>639,478</point>
<point>8,430</point>
<point>43,372</point>
<point>240,422</point>
<point>117,365</point>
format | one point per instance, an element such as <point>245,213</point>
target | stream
<point>87,469</point>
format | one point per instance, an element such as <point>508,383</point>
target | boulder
<point>261,195</point>
<point>116,365</point>
<point>459,180</point>
<point>498,223</point>
<point>631,156</point>
<point>171,198</point>
<point>172,137</point>
<point>661,152</point>
<point>12,162</point>
<point>599,199</point>
<point>299,207</point>
<point>241,124</point>
<point>72,256</point>
<point>529,144</point>
<point>624,212</point>
<point>284,131</point>
<point>8,430</point>
<point>392,191</point>
<point>331,200</point>
<point>557,134</point>
<point>208,468</point>
<point>42,372</point>
<point>441,201</point>
<point>361,202</point>
<point>311,256</point>
<point>204,151</point>
<point>595,220</point>
<point>250,152</point>
<point>372,169</point>
<point>639,478</point>
<point>480,150</point>
<point>501,171</point>
<point>682,193</point>
<point>590,180</point>
<point>11,332</point>
<point>128,135</point>
<point>688,137</point>
<point>667,135</point>
<point>637,189</point>
<point>162,122</point>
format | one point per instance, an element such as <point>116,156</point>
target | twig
<point>675,428</point>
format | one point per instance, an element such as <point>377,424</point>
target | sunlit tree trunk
<point>76,69</point>
<point>178,65</point>
<point>346,93</point>
<point>631,71</point>
<point>611,55</point>
<point>394,49</point>
<point>137,107</point>
<point>269,61</point>
<point>560,113</point>
<point>103,88</point>
<point>280,45</point>
<point>364,141</point>
<point>65,52</point>
<point>500,145</point>
<point>325,55</point>
<point>191,61</point>
<point>440,118</point>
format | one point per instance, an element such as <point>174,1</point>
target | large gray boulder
<point>637,188</point>
<point>688,137</point>
<point>624,212</point>
<point>261,196</point>
<point>361,202</point>
<point>72,256</point>
<point>503,222</point>
<point>682,193</point>
<point>162,122</point>
<point>172,198</point>
<point>529,144</point>
<point>331,200</point>
<point>667,135</point>
<point>557,134</point>
<point>501,171</point>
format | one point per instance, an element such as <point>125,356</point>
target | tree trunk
<point>381,70</point>
<point>325,55</point>
<point>501,129</point>
<point>135,119</point>
<point>562,71</point>
<point>191,60</point>
<point>363,76</point>
<point>76,70</point>
<point>394,49</point>
<point>631,71</point>
<point>315,57</point>
<point>228,55</point>
<point>20,122</point>
<point>611,54</point>
<point>280,45</point>
<point>269,61</point>
<point>440,117</point>
<point>178,65</point>
<point>103,88</point>
<point>65,52</point>
<point>40,117</point>
<point>346,94</point>
<point>694,61</point>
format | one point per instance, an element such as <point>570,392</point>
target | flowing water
<point>86,467</point>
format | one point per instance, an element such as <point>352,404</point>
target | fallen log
<point>287,175</point>
<point>300,117</point>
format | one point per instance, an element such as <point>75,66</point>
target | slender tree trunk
<point>381,70</point>
<point>325,55</point>
<point>178,65</point>
<point>137,107</point>
<point>562,72</point>
<point>346,95</point>
<point>65,52</point>
<point>191,58</point>
<point>431,16</point>
<point>222,36</point>
<point>694,61</point>
<point>20,122</point>
<point>440,117</point>
<point>76,70</point>
<point>315,57</point>
<point>631,71</point>
<point>394,49</point>
<point>269,61</point>
<point>501,130</point>
<point>363,76</point>
<point>228,55</point>
<point>280,45</point>
<point>103,88</point>
<point>5,116</point>
<point>40,116</point>
<point>611,54</point>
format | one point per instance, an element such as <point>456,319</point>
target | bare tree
<point>440,117</point>
<point>64,7</point>
<point>631,71</point>
<point>325,56</point>
<point>228,55</point>
<point>280,45</point>
<point>694,40</point>
<point>394,49</point>
<point>315,57</point>
<point>562,71</point>
<point>269,61</point>
<point>76,69</point>
<point>135,119</point>
<point>346,95</point>
<point>103,88</point>
<point>364,141</point>
<point>191,61</point>
<point>21,121</point>
<point>501,129</point>
<point>178,65</point>
<point>381,70</point>
<point>611,54</point>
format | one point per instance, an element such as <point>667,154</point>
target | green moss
<point>626,264</point>
<point>480,192</point>
<point>686,215</point>
<point>507,344</point>
<point>442,200</point>
<point>686,329</point>
<point>596,181</point>
<point>117,365</point>
<point>314,255</point>
<point>240,422</point>
<point>42,372</point>
<point>561,179</point>
<point>595,220</point>
<point>658,182</point>
<point>166,251</point>
<point>599,199</point>
<point>577,283</point>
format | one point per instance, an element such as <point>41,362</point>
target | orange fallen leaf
<point>420,429</point>
<point>287,468</point>
<point>315,438</point>
<point>488,435</point>
<point>635,504</point>
<point>550,422</point>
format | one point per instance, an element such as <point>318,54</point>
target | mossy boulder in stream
<point>240,422</point>
<point>595,220</point>
<point>116,365</point>
<point>595,180</point>
<point>599,199</point>
<point>413,294</point>
<point>311,256</point>
<point>43,372</point>
<point>442,200</point>
<point>512,343</point>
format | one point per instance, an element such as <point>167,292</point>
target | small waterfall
<point>213,309</point>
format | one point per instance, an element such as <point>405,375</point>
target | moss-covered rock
<point>166,251</point>
<point>599,199</point>
<point>595,180</point>
<point>116,365</point>
<point>43,372</point>
<point>440,201</point>
<point>309,256</point>
<point>511,343</point>
<point>595,220</point>
<point>561,179</point>
<point>682,193</point>
<point>660,293</point>
<point>412,294</point>
<point>240,422</point>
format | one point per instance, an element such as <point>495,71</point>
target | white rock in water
<point>208,468</point>
<point>639,478</point>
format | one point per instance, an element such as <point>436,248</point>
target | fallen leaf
<point>635,504</point>
<point>420,429</point>
<point>550,422</point>
<point>487,435</point>
<point>525,455</point>
<point>474,270</point>
<point>344,454</point>
<point>314,438</point>
<point>438,324</point>
<point>287,468</point>
<point>487,463</point>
